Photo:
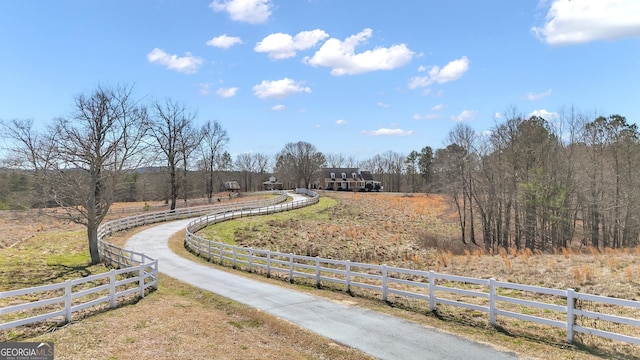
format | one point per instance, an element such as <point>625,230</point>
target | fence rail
<point>495,298</point>
<point>134,272</point>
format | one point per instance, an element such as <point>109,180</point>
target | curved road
<point>373,333</point>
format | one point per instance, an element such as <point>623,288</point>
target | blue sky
<point>353,77</point>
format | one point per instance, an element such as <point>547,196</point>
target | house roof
<point>326,172</point>
<point>362,174</point>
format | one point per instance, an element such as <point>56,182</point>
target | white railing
<point>134,274</point>
<point>561,308</point>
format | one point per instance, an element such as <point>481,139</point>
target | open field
<point>106,335</point>
<point>401,231</point>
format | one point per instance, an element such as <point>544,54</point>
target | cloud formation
<point>187,64</point>
<point>341,122</point>
<point>534,97</point>
<point>388,132</point>
<point>464,115</point>
<point>224,41</point>
<point>282,46</point>
<point>342,58</point>
<point>576,22</point>
<point>279,89</point>
<point>450,72</point>
<point>249,11</point>
<point>227,92</point>
<point>543,113</point>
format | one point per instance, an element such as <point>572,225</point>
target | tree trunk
<point>92,235</point>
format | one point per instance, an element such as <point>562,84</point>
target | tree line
<point>543,185</point>
<point>526,183</point>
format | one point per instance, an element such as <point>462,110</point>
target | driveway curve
<point>376,334</point>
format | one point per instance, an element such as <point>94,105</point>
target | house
<point>272,184</point>
<point>348,179</point>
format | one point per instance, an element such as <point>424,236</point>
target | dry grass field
<point>419,232</point>
<point>379,228</point>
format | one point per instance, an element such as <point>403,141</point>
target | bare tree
<point>189,142</point>
<point>91,150</point>
<point>303,159</point>
<point>28,150</point>
<point>335,160</point>
<point>170,129</point>
<point>245,164</point>
<point>214,139</point>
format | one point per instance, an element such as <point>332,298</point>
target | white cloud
<point>187,64</point>
<point>543,113</point>
<point>279,88</point>
<point>422,68</point>
<point>575,22</point>
<point>533,97</point>
<point>382,105</point>
<point>464,115</point>
<point>227,92</point>
<point>279,107</point>
<point>224,41</point>
<point>388,132</point>
<point>450,72</point>
<point>425,116</point>
<point>438,107</point>
<point>497,115</point>
<point>283,46</point>
<point>250,11</point>
<point>342,58</point>
<point>342,122</point>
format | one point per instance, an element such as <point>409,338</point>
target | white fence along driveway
<point>373,333</point>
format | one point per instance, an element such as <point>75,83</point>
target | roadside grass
<point>392,229</point>
<point>228,232</point>
<point>176,321</point>
<point>179,321</point>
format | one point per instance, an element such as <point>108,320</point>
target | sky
<point>357,77</point>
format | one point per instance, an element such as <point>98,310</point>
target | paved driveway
<point>376,334</point>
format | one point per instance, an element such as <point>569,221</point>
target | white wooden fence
<point>134,274</point>
<point>561,308</point>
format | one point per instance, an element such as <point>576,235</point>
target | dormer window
<point>333,175</point>
<point>354,175</point>
<point>344,176</point>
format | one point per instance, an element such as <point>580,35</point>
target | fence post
<point>68,300</point>
<point>141,280</point>
<point>384,282</point>
<point>571,295</point>
<point>432,284</point>
<point>268,264</point>
<point>220,247</point>
<point>234,257</point>
<point>318,272</point>
<point>209,251</point>
<point>112,288</point>
<point>155,279</point>
<point>250,260</point>
<point>291,268</point>
<point>492,302</point>
<point>347,275</point>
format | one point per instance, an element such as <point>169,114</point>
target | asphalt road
<point>376,334</point>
